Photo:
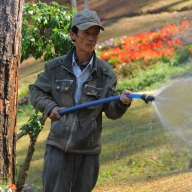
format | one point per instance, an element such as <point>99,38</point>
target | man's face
<point>86,40</point>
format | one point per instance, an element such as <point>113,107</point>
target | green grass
<point>137,153</point>
<point>29,71</point>
<point>136,149</point>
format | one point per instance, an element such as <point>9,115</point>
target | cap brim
<point>84,26</point>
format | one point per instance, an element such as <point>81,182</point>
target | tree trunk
<point>74,4</point>
<point>10,46</point>
<point>86,4</point>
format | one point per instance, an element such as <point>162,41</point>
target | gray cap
<point>85,19</point>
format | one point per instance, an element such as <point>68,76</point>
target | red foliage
<point>12,186</point>
<point>146,46</point>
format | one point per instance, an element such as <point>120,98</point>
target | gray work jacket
<point>79,131</point>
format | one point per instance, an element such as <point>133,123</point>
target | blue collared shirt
<point>81,76</point>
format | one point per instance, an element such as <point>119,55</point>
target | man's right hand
<point>54,114</point>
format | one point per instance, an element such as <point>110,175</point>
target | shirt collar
<point>75,63</point>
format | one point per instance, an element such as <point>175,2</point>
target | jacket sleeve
<point>114,109</point>
<point>40,92</point>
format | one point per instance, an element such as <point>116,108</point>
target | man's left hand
<point>124,99</point>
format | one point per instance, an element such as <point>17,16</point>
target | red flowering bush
<point>12,187</point>
<point>144,49</point>
<point>9,188</point>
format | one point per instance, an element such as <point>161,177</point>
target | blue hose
<point>97,102</point>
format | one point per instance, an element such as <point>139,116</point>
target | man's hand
<point>124,99</point>
<point>54,115</point>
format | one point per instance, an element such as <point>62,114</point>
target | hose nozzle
<point>147,98</point>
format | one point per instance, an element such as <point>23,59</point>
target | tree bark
<point>74,4</point>
<point>86,4</point>
<point>10,48</point>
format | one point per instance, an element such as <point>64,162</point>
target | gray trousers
<point>69,172</point>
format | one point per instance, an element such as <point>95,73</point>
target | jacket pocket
<point>58,129</point>
<point>64,85</point>
<point>92,90</point>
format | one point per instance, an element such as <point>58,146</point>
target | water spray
<point>144,97</point>
<point>174,107</point>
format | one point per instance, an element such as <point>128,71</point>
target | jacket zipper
<point>71,134</point>
<point>76,120</point>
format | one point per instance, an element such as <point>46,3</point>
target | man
<point>71,161</point>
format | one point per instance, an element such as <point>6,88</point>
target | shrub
<point>144,78</point>
<point>45,30</point>
<point>9,188</point>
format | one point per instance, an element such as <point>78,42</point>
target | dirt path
<point>133,25</point>
<point>110,9</point>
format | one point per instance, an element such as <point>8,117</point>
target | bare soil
<point>112,9</point>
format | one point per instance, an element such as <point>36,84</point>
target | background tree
<point>74,4</point>
<point>45,32</point>
<point>10,36</point>
<point>86,4</point>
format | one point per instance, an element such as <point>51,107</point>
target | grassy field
<point>139,154</point>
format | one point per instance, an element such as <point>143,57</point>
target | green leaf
<point>45,30</point>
